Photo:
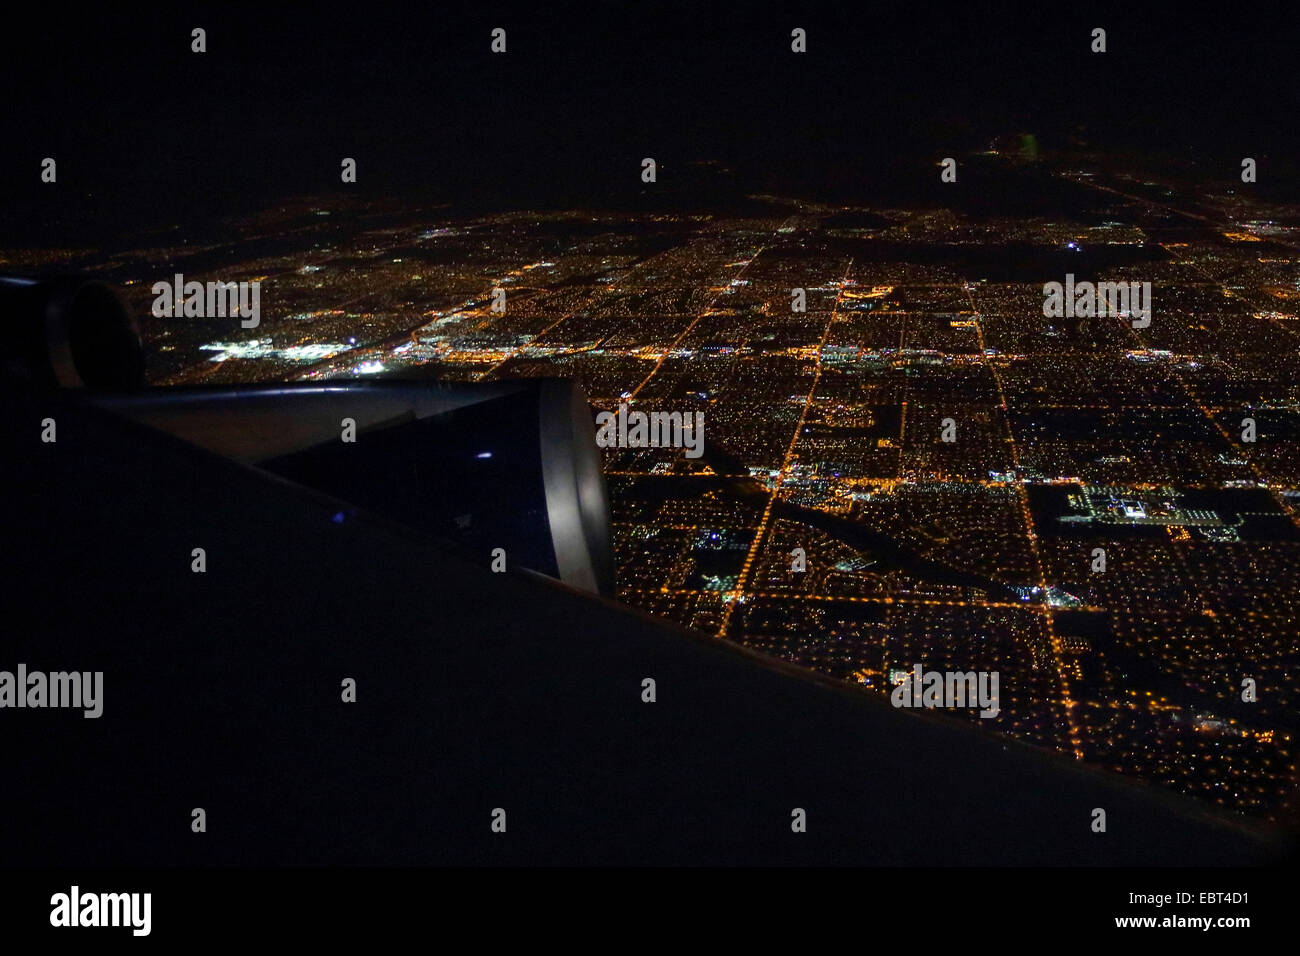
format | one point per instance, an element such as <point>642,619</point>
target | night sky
<point>146,131</point>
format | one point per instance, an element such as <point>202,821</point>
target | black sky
<point>144,129</point>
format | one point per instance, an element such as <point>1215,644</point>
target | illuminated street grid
<point>822,432</point>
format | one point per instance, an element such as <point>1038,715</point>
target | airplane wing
<point>339,682</point>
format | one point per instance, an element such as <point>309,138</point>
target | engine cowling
<point>68,332</point>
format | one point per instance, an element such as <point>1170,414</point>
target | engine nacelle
<point>68,333</point>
